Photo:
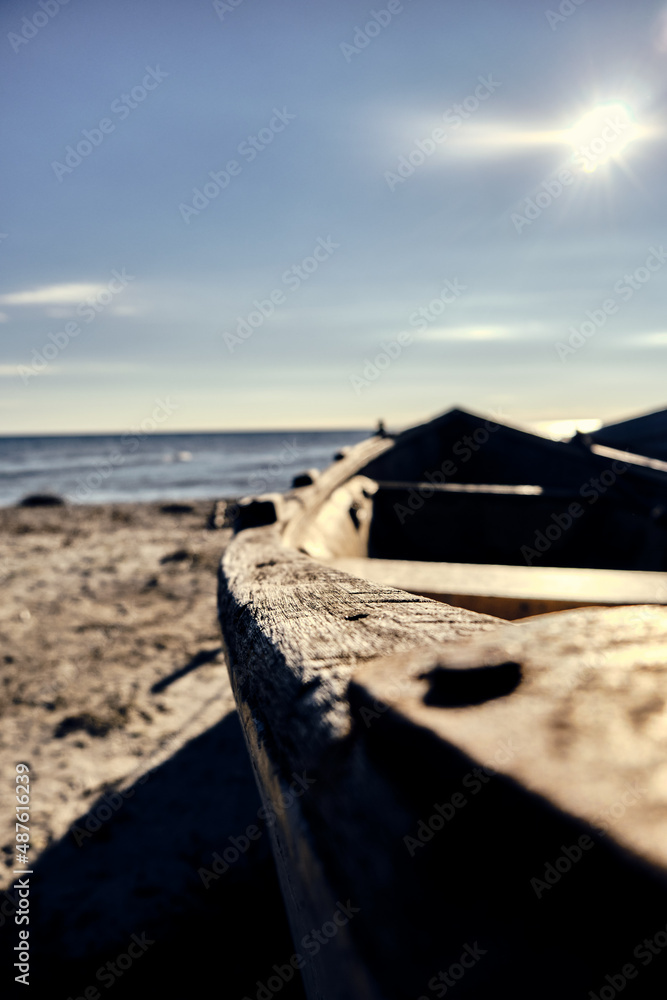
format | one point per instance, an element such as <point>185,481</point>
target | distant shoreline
<point>143,465</point>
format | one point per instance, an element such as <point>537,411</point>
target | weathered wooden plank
<point>577,745</point>
<point>455,770</point>
<point>303,643</point>
<point>589,711</point>
<point>296,631</point>
<point>511,591</point>
<point>311,498</point>
<point>294,622</point>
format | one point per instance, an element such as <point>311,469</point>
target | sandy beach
<point>115,692</point>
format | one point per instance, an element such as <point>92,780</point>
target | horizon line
<point>160,433</point>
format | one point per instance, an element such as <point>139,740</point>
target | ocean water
<point>102,468</point>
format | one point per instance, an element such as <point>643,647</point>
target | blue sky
<point>305,112</point>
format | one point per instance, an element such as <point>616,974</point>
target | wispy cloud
<point>13,371</point>
<point>657,339</point>
<point>85,368</point>
<point>474,332</point>
<point>51,294</point>
<point>80,369</point>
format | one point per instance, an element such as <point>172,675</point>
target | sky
<point>299,214</point>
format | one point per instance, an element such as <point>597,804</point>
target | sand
<point>115,691</point>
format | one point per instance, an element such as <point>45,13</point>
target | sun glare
<point>563,430</point>
<point>602,135</point>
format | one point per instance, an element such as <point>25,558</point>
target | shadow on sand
<point>198,660</point>
<point>127,873</point>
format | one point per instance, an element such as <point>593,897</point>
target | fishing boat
<point>448,655</point>
<point>642,435</point>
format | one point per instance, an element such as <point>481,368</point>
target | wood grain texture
<point>387,704</point>
<point>511,592</point>
<point>589,714</point>
<point>576,749</point>
<point>295,632</point>
<point>295,627</point>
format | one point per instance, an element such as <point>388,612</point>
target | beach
<point>115,693</point>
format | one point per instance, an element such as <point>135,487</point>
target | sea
<point>128,468</point>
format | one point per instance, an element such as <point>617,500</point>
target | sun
<point>602,135</point>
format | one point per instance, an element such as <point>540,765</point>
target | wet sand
<point>115,692</point>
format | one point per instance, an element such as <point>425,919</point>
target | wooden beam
<point>392,709</point>
<point>511,592</point>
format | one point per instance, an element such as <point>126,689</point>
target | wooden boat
<point>643,435</point>
<point>456,801</point>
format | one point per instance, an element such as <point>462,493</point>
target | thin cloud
<point>657,339</point>
<point>78,369</point>
<point>475,332</point>
<point>51,294</point>
<point>84,368</point>
<point>12,371</point>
